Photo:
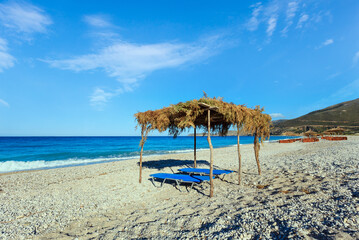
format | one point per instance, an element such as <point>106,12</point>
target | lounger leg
<point>191,186</point>
<point>153,182</point>
<point>177,185</point>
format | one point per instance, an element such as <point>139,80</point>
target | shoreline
<point>116,159</point>
<point>106,200</point>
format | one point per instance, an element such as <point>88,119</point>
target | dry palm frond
<point>179,117</point>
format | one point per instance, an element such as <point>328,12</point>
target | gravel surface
<point>306,191</point>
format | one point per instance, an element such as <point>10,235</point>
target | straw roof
<point>179,117</point>
<point>290,134</point>
<point>336,130</point>
<point>211,114</point>
<point>310,133</point>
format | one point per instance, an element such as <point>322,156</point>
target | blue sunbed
<point>204,171</point>
<point>179,178</point>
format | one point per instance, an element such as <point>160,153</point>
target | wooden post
<point>256,152</point>
<point>144,133</point>
<point>195,149</point>
<point>211,154</point>
<point>142,143</point>
<point>239,158</point>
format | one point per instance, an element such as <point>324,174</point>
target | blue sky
<point>69,68</point>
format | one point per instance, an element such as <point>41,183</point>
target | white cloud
<point>23,17</point>
<point>97,21</point>
<point>6,60</point>
<point>272,23</point>
<point>284,15</point>
<point>290,14</point>
<point>253,22</point>
<point>291,10</point>
<point>328,42</point>
<point>129,62</point>
<point>3,103</point>
<point>99,98</point>
<point>302,20</point>
<point>356,58</point>
<point>276,115</point>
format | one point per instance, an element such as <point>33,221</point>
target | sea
<point>30,153</point>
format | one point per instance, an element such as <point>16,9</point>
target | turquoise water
<point>25,153</point>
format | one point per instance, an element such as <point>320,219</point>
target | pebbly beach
<point>306,191</point>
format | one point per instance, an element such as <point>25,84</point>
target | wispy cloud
<point>101,28</point>
<point>23,17</point>
<point>100,21</point>
<point>292,8</point>
<point>4,103</point>
<point>276,115</point>
<point>283,14</point>
<point>271,17</point>
<point>303,18</point>
<point>356,58</point>
<point>326,43</point>
<point>334,75</point>
<point>6,60</point>
<point>129,62</point>
<point>100,97</point>
<point>253,22</point>
<point>24,20</point>
<point>272,23</point>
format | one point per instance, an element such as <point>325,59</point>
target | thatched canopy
<point>310,133</point>
<point>326,133</point>
<point>211,114</point>
<point>337,130</point>
<point>179,117</point>
<point>290,134</point>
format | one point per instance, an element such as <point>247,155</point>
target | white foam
<point>12,166</point>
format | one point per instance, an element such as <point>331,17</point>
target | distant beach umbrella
<point>337,130</point>
<point>310,133</point>
<point>290,134</point>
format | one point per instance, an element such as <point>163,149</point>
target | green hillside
<point>345,114</point>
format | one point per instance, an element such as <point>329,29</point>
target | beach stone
<point>245,212</point>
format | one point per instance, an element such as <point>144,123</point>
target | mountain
<point>345,114</point>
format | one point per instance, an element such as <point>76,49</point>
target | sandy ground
<point>306,191</point>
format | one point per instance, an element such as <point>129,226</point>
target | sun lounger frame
<point>205,171</point>
<point>178,181</point>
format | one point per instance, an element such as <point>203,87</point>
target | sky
<point>74,69</point>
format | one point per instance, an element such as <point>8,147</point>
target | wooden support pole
<point>211,154</point>
<point>239,158</point>
<point>144,132</point>
<point>256,151</point>
<point>142,143</point>
<point>195,148</point>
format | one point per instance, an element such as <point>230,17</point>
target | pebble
<point>329,168</point>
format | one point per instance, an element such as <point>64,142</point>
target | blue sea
<point>28,153</point>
